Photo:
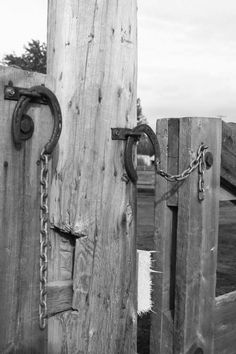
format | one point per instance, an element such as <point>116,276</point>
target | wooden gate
<point>91,287</point>
<point>187,316</point>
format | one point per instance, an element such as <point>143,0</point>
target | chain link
<point>198,162</point>
<point>43,239</point>
<point>201,183</point>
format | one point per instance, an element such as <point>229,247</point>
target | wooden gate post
<point>186,235</point>
<point>92,69</point>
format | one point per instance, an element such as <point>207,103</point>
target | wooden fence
<point>187,317</point>
<point>91,283</point>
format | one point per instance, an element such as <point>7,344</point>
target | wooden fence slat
<point>197,240</point>
<point>19,222</point>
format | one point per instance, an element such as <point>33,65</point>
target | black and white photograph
<point>118,177</point>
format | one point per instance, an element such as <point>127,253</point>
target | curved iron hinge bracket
<point>22,124</point>
<point>131,136</point>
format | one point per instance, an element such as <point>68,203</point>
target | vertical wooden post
<point>197,237</point>
<point>92,69</point>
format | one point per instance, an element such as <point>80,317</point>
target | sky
<point>186,53</point>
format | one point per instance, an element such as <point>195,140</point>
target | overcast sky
<point>187,52</point>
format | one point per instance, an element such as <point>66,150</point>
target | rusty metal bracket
<point>13,93</point>
<point>124,133</point>
<point>131,136</point>
<point>22,124</point>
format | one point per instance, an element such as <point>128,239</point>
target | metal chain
<point>201,183</point>
<point>43,239</point>
<point>198,162</point>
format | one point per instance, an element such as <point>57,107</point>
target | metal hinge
<point>13,93</point>
<point>124,133</point>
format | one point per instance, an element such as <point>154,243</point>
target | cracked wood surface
<point>92,69</point>
<point>19,222</point>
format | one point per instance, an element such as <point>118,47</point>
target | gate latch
<point>132,136</point>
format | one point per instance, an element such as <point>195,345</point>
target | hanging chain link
<point>43,239</point>
<point>198,162</point>
<point>201,170</point>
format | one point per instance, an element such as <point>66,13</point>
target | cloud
<point>187,54</point>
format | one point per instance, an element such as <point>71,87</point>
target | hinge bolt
<point>26,124</point>
<point>209,159</point>
<point>10,91</point>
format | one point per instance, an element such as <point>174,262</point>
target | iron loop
<point>128,158</point>
<point>21,108</point>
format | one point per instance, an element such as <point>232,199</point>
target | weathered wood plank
<point>19,220</point>
<point>161,323</point>
<point>92,63</point>
<point>197,240</point>
<point>225,324</point>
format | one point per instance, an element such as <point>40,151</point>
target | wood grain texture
<point>19,214</point>
<point>92,69</point>
<point>225,324</point>
<point>161,320</point>
<point>59,296</point>
<point>197,240</point>
<point>60,272</point>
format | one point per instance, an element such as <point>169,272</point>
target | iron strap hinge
<point>124,133</point>
<point>14,93</point>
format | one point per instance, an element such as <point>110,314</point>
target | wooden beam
<point>197,240</point>
<point>92,68</point>
<point>164,239</point>
<point>225,323</point>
